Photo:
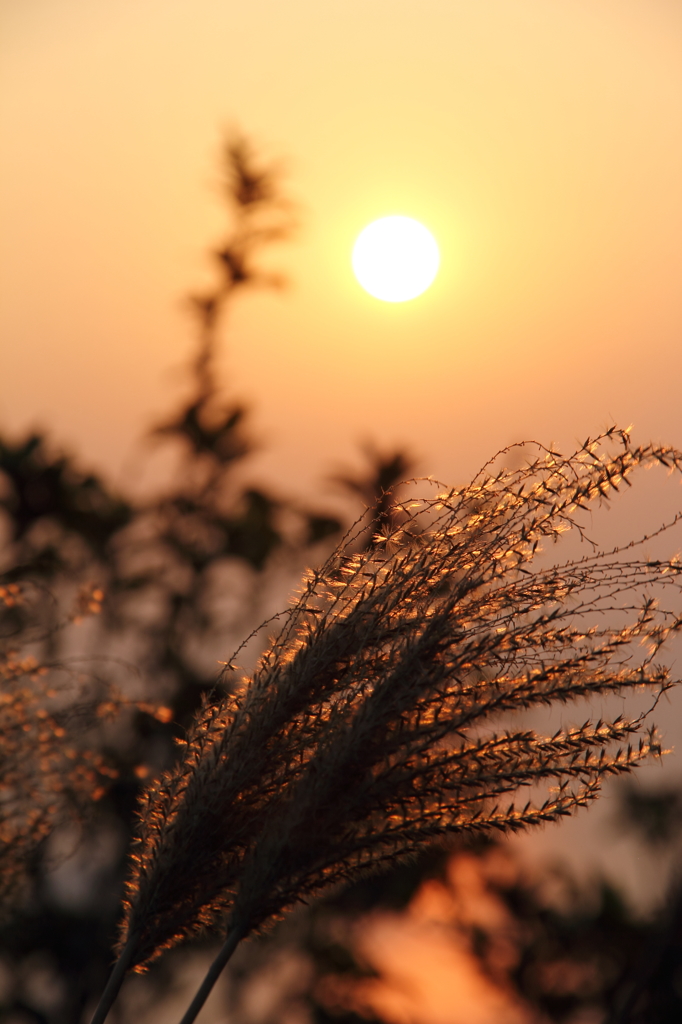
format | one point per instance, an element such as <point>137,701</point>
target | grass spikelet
<point>375,722</point>
<point>47,773</point>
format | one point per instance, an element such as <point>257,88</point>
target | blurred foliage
<point>655,815</point>
<point>554,950</point>
<point>159,572</point>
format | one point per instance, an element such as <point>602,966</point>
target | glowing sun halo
<point>395,259</point>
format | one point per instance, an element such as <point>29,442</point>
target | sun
<point>395,259</point>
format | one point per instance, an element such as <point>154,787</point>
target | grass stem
<point>115,982</point>
<point>233,939</point>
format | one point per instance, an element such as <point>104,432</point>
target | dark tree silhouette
<point>66,532</point>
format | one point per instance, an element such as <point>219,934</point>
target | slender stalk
<point>234,936</point>
<point>115,982</point>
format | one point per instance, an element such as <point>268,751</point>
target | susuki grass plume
<point>375,721</point>
<point>48,774</point>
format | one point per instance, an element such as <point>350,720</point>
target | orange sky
<point>540,140</point>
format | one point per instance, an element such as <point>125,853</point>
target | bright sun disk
<point>395,258</point>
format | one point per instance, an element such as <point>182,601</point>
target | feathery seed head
<point>369,727</point>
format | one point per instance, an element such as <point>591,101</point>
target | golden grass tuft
<point>374,723</point>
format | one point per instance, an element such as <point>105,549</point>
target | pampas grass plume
<point>381,718</point>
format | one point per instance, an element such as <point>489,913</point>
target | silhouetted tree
<point>153,564</point>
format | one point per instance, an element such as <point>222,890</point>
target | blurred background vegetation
<point>115,613</point>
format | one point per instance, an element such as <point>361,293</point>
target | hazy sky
<point>540,141</point>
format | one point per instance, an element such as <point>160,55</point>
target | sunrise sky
<point>539,140</point>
